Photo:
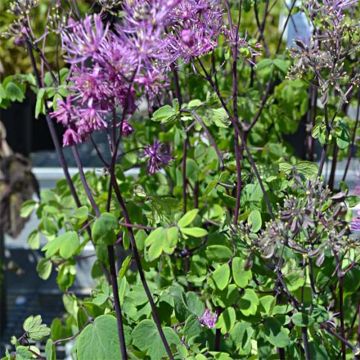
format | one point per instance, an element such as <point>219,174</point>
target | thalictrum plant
<point>211,239</point>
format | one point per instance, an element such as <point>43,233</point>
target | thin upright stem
<point>111,258</point>
<point>84,181</point>
<point>183,172</point>
<point>139,265</point>
<point>331,181</point>
<point>117,306</point>
<point>242,136</point>
<point>53,134</point>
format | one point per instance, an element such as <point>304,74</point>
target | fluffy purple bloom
<point>90,119</point>
<point>158,157</point>
<point>71,137</point>
<point>64,111</point>
<point>110,66</point>
<point>208,319</point>
<point>91,84</point>
<point>81,40</point>
<point>195,28</point>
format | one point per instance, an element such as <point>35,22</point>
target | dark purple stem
<point>331,181</point>
<point>111,257</point>
<point>139,265</point>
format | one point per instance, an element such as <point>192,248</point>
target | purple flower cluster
<point>157,157</point>
<point>196,27</point>
<point>335,8</point>
<point>208,319</point>
<point>109,67</point>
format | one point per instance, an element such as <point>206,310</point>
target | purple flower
<point>109,67</point>
<point>126,128</point>
<point>64,111</point>
<point>188,38</point>
<point>208,319</point>
<point>195,28</point>
<point>82,40</point>
<point>158,157</point>
<point>71,138</point>
<point>91,119</point>
<point>91,84</point>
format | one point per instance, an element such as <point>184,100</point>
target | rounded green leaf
<point>146,338</point>
<point>240,275</point>
<point>221,276</point>
<point>43,268</point>
<point>218,253</point>
<point>103,230</point>
<point>188,218</point>
<point>255,220</point>
<point>194,232</point>
<point>226,320</point>
<point>249,302</point>
<point>99,340</point>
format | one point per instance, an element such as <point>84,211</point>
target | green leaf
<point>275,333</point>
<point>194,232</point>
<point>226,320</point>
<point>219,253</point>
<point>34,240</point>
<point>50,350</point>
<point>263,64</point>
<point>194,304</point>
<point>44,268</point>
<point>192,328</point>
<point>170,240</point>
<point>146,338</point>
<point>161,240</point>
<point>155,241</point>
<point>188,218</point>
<point>255,220</point>
<point>81,213</point>
<point>220,117</point>
<point>302,320</point>
<point>241,276</point>
<point>103,230</point>
<point>267,303</point>
<point>35,329</point>
<point>40,103</point>
<point>22,353</point>
<point>194,104</point>
<point>27,208</point>
<point>14,92</point>
<point>307,168</point>
<point>164,114</point>
<point>282,65</point>
<point>124,266</point>
<point>154,236</point>
<point>221,276</point>
<point>66,245</point>
<point>241,334</point>
<point>99,340</point>
<point>249,302</point>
